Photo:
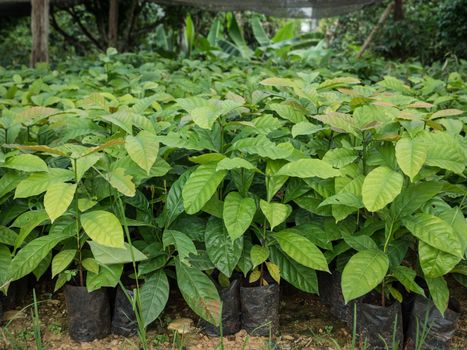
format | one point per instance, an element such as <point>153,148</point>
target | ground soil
<point>305,324</point>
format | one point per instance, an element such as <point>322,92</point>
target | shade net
<point>279,8</point>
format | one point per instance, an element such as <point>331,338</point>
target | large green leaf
<point>7,236</point>
<point>290,111</point>
<point>182,243</point>
<point>406,276</point>
<point>9,181</point>
<point>439,292</point>
<point>61,261</point>
<point>301,249</point>
<point>154,296</point>
<point>27,222</point>
<point>37,183</point>
<point>238,214</point>
<point>222,250</point>
<point>444,151</point>
<point>264,147</point>
<point>143,149</point>
<point>200,187</point>
<point>234,163</point>
<point>275,213</point>
<point>413,197</point>
<point>273,181</point>
<point>435,232</point>
<point>380,187</point>
<point>258,254</point>
<point>434,262</point>
<point>299,276</point>
<point>174,201</point>
<point>364,271</point>
<point>410,155</point>
<point>58,198</point>
<point>304,168</point>
<point>30,256</point>
<point>199,292</point>
<point>108,276</point>
<point>26,162</point>
<point>83,164</point>
<point>103,227</point>
<point>122,182</point>
<point>110,255</point>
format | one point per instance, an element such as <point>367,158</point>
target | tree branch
<point>68,38</point>
<point>84,30</point>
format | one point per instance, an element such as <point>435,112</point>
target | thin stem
<point>77,217</point>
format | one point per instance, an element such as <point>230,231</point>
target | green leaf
<point>174,202</point>
<point>61,261</point>
<point>199,292</point>
<point>264,147</point>
<point>58,198</point>
<point>406,276</point>
<point>258,255</point>
<point>205,116</point>
<point>200,187</point>
<point>222,250</point>
<point>439,292</point>
<point>37,183</point>
<point>234,163</point>
<point>90,265</point>
<point>364,271</point>
<point>274,271</point>
<point>435,232</point>
<point>444,151</point>
<point>301,250</point>
<point>26,162</point>
<point>110,255</point>
<point>154,296</point>
<point>413,197</point>
<point>275,213</point>
<point>305,128</point>
<point>297,275</point>
<point>7,236</point>
<point>182,243</point>
<point>290,111</point>
<point>42,267</point>
<point>343,198</point>
<point>143,149</point>
<point>304,168</point>
<point>27,222</point>
<point>238,214</point>
<point>380,187</point>
<point>434,262</point>
<point>5,261</point>
<point>274,182</point>
<point>359,243</point>
<point>103,227</point>
<point>121,182</point>
<point>410,155</point>
<point>108,276</point>
<point>30,256</point>
<point>83,164</point>
<point>340,157</point>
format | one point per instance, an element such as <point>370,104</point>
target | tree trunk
<point>40,31</point>
<point>378,25</point>
<point>113,23</point>
<point>398,10</point>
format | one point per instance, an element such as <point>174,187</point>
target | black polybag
<point>380,327</point>
<point>330,293</point>
<point>231,323</point>
<point>88,313</point>
<point>438,330</point>
<point>124,319</point>
<point>260,309</point>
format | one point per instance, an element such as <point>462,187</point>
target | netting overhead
<point>280,8</point>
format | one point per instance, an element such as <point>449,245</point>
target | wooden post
<point>40,31</point>
<point>378,25</point>
<point>113,23</point>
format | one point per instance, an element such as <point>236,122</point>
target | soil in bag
<point>88,313</point>
<point>124,319</point>
<point>260,309</point>
<point>380,327</point>
<point>231,323</point>
<point>427,328</point>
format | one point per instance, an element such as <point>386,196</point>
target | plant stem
<point>77,217</point>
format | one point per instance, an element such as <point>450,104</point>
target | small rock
<point>287,338</point>
<point>181,325</point>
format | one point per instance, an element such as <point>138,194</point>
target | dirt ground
<point>304,324</point>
